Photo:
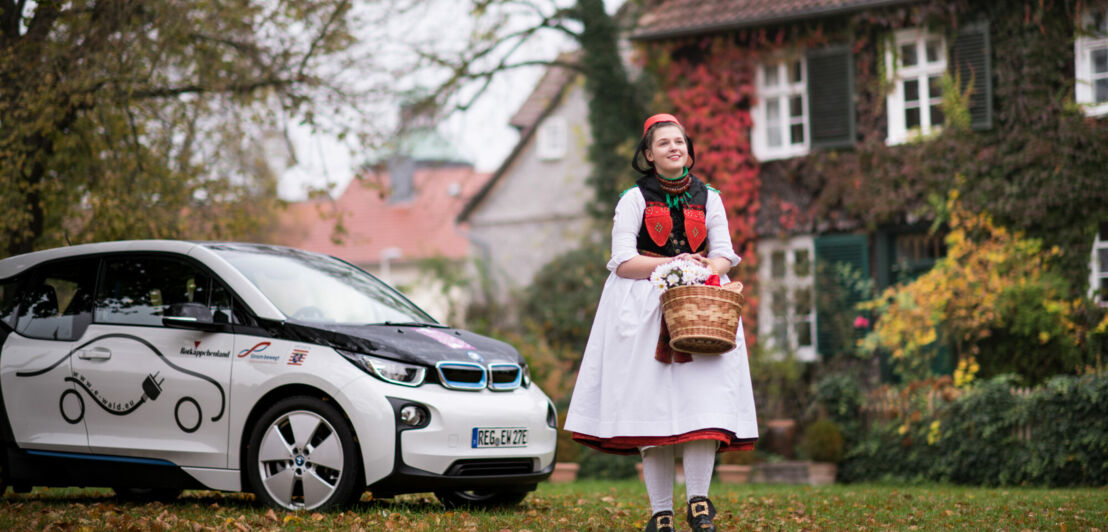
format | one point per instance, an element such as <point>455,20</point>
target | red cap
<point>663,117</point>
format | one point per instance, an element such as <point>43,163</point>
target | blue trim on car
<point>104,458</point>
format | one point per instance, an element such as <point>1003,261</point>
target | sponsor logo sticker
<point>258,353</point>
<point>452,342</point>
<point>297,357</point>
<point>195,351</point>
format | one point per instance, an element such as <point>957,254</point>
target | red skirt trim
<point>631,444</point>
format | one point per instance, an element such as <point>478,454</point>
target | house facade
<point>533,208</point>
<point>845,104</point>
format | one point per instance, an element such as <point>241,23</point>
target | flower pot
<point>822,473</point>
<point>678,472</point>
<point>788,472</point>
<point>733,473</point>
<point>564,472</point>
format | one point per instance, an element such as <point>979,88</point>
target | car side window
<point>8,288</point>
<point>56,303</point>
<point>143,290</point>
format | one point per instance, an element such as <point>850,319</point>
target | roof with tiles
<point>664,19</point>
<point>419,228</point>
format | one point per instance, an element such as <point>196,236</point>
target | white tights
<point>698,457</point>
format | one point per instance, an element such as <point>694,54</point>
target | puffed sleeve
<point>625,228</point>
<point>719,235</point>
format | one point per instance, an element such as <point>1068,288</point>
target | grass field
<point>590,505</point>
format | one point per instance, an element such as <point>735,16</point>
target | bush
<point>607,466</point>
<point>823,441</point>
<point>1054,436</point>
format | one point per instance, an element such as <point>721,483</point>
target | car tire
<point>302,456</point>
<point>480,498</point>
<point>144,495</point>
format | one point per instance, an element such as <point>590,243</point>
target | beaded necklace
<point>676,189</point>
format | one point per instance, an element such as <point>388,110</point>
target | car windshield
<point>316,288</point>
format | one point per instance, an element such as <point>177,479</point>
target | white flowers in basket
<point>680,272</point>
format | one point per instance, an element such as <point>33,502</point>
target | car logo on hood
<point>475,356</point>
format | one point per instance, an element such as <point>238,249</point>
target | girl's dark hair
<point>645,167</point>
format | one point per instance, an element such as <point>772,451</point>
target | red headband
<point>663,117</point>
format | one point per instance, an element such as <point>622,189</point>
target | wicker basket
<point>702,320</point>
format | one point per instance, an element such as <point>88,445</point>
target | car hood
<point>408,343</point>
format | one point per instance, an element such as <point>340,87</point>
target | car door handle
<point>96,353</point>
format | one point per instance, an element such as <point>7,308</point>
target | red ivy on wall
<point>712,97</point>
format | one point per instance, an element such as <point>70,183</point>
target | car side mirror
<point>190,315</point>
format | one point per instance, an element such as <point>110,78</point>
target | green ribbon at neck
<point>684,173</point>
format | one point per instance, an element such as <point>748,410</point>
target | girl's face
<point>668,151</point>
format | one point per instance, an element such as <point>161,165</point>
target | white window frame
<point>898,132</point>
<point>1098,271</point>
<point>791,283</point>
<point>779,96</point>
<point>1091,39</point>
<point>552,138</point>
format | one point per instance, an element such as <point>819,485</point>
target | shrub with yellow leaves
<point>993,300</point>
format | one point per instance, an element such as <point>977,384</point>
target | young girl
<point>635,394</point>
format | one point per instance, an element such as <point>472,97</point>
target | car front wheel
<point>480,498</point>
<point>302,456</point>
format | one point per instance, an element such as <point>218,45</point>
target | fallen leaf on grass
<point>272,516</point>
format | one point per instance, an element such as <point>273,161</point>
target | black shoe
<point>701,513</point>
<point>660,522</point>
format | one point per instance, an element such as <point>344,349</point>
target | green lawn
<point>591,505</point>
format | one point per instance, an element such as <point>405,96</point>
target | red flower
<point>861,322</point>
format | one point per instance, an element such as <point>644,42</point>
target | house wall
<point>536,211</point>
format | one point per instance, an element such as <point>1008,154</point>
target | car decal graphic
<point>151,387</point>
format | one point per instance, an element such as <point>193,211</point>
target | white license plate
<point>484,437</point>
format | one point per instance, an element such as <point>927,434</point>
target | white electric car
<point>156,366</point>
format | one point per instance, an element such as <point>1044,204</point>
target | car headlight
<point>387,370</point>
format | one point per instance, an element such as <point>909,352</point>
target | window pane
<point>908,55</point>
<point>141,291</point>
<point>803,333</point>
<point>1100,61</point>
<point>933,47</point>
<point>796,133</point>
<point>781,334</point>
<point>777,264</point>
<point>773,122</point>
<point>778,305</point>
<point>911,91</point>
<point>937,116</point>
<point>802,301</point>
<point>911,117</point>
<point>770,72</point>
<point>801,266</point>
<point>57,302</point>
<point>796,106</point>
<point>935,87</point>
<point>1104,289</point>
<point>1102,90</point>
<point>796,74</point>
<point>1102,254</point>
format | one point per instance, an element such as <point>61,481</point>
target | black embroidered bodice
<point>670,231</point>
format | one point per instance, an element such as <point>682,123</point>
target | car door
<point>51,314</point>
<point>159,363</point>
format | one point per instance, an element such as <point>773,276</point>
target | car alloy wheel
<point>302,456</point>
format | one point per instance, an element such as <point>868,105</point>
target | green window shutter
<point>831,97</point>
<point>832,320</point>
<point>973,64</point>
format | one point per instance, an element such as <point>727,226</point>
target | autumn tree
<point>127,119</point>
